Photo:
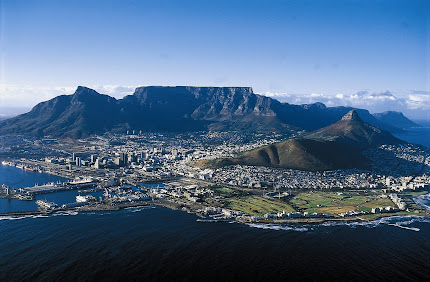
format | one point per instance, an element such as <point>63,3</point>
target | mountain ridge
<point>337,146</point>
<point>172,108</point>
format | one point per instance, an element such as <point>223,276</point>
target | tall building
<point>97,164</point>
<point>175,152</point>
<point>123,158</point>
<point>78,161</point>
<point>132,158</point>
<point>144,155</point>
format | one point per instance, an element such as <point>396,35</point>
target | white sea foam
<point>278,227</point>
<point>15,217</point>
<point>423,200</point>
<point>403,220</point>
<point>138,209</point>
<point>61,213</point>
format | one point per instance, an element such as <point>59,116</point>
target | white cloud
<point>277,95</point>
<point>414,104</point>
<point>116,91</point>
<point>419,101</point>
<point>29,96</point>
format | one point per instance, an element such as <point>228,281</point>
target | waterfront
<point>18,178</point>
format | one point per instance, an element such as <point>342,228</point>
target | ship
<point>7,163</point>
<point>24,197</point>
<point>44,204</point>
<point>85,198</point>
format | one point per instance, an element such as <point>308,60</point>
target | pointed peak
<point>82,90</point>
<point>351,115</point>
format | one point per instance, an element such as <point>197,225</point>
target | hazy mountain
<point>180,108</point>
<point>395,119</point>
<point>334,147</point>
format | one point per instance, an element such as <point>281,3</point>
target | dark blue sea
<point>158,244</point>
<point>416,135</point>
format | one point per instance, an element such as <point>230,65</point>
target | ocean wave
<point>65,213</point>
<point>403,220</point>
<point>423,201</point>
<point>12,217</point>
<point>278,227</point>
<point>139,209</point>
<point>61,213</point>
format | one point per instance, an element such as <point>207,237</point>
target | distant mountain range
<point>337,146</point>
<point>180,108</point>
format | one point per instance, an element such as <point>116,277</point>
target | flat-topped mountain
<point>337,146</point>
<point>179,108</point>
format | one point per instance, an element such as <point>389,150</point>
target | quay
<point>54,187</point>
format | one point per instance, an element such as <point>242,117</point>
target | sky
<point>368,54</point>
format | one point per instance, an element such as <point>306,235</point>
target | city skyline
<point>365,54</point>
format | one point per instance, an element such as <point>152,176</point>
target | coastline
<point>175,206</point>
<point>194,208</point>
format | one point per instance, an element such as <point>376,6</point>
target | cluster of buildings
<point>193,193</point>
<point>112,160</point>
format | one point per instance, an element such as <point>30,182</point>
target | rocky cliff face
<point>180,108</point>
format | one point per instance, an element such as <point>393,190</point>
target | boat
<point>84,199</point>
<point>29,169</point>
<point>44,204</point>
<point>24,197</point>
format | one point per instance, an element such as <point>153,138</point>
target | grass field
<point>256,205</point>
<point>225,192</point>
<point>333,203</point>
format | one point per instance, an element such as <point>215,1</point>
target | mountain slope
<point>78,115</point>
<point>352,130</point>
<point>334,147</point>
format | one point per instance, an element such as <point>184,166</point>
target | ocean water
<point>18,178</point>
<point>158,244</point>
<point>416,135</point>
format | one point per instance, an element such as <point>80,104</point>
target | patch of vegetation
<point>334,203</point>
<point>224,192</point>
<point>259,206</point>
<point>413,193</point>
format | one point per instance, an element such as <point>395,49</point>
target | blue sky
<point>296,51</point>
